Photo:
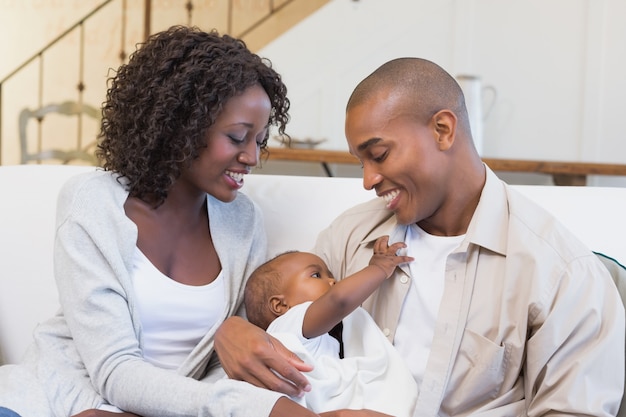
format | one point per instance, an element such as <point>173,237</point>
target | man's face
<point>400,155</point>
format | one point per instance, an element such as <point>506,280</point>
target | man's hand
<point>249,354</point>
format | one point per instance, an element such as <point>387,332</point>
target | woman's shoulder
<point>96,179</point>
<point>98,188</point>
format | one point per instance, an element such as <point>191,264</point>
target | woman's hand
<point>354,413</point>
<point>102,413</point>
<point>284,407</point>
<point>247,353</point>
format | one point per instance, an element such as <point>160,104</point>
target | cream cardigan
<point>90,353</point>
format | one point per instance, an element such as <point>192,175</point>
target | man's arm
<point>575,362</point>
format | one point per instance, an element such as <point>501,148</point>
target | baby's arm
<point>346,295</point>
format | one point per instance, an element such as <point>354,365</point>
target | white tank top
<point>174,316</point>
<point>414,335</point>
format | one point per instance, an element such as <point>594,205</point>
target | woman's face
<point>233,145</point>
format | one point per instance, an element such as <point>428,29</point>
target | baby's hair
<point>264,282</point>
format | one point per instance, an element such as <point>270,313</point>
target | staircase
<point>74,65</point>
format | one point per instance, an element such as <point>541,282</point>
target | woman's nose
<point>250,155</point>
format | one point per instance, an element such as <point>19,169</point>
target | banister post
<point>147,19</point>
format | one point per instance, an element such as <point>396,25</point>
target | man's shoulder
<point>362,222</point>
<point>365,212</point>
<point>541,230</point>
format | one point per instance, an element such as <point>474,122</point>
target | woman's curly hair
<point>160,104</point>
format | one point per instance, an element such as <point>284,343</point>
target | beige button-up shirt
<point>530,321</point>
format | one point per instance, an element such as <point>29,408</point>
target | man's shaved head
<point>425,87</point>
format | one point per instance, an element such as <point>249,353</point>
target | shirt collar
<point>489,225</point>
<point>386,225</point>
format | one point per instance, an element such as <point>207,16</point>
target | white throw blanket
<point>372,375</point>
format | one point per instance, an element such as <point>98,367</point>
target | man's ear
<point>277,305</point>
<point>445,128</point>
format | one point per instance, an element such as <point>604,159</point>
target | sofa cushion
<point>295,209</point>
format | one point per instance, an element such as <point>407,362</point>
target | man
<point>503,312</point>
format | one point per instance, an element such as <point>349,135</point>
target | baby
<point>297,300</point>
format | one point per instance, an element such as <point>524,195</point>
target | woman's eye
<point>235,138</point>
<point>262,138</point>
<point>316,275</point>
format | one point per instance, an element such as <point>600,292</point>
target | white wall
<point>557,65</point>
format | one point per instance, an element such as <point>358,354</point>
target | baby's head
<point>282,282</point>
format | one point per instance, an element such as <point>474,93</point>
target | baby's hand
<point>385,256</point>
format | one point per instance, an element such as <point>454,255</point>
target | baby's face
<point>305,277</point>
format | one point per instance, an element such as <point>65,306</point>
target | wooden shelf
<point>563,173</point>
<point>312,155</point>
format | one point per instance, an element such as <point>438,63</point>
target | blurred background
<point>543,78</point>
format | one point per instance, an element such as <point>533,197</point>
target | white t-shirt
<point>416,327</point>
<point>174,316</point>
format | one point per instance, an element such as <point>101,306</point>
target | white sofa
<point>295,209</point>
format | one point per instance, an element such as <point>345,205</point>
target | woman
<point>151,253</point>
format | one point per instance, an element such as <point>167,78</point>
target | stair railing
<point>39,56</point>
<point>273,6</point>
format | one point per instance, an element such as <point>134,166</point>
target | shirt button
<point>386,332</point>
<point>404,279</point>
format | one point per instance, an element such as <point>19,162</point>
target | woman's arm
<point>349,293</point>
<point>102,413</point>
<point>286,408</point>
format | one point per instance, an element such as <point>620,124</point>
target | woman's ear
<point>445,128</point>
<point>277,305</point>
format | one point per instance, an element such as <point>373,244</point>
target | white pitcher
<point>475,94</point>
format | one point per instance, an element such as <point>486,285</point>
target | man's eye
<point>379,158</point>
